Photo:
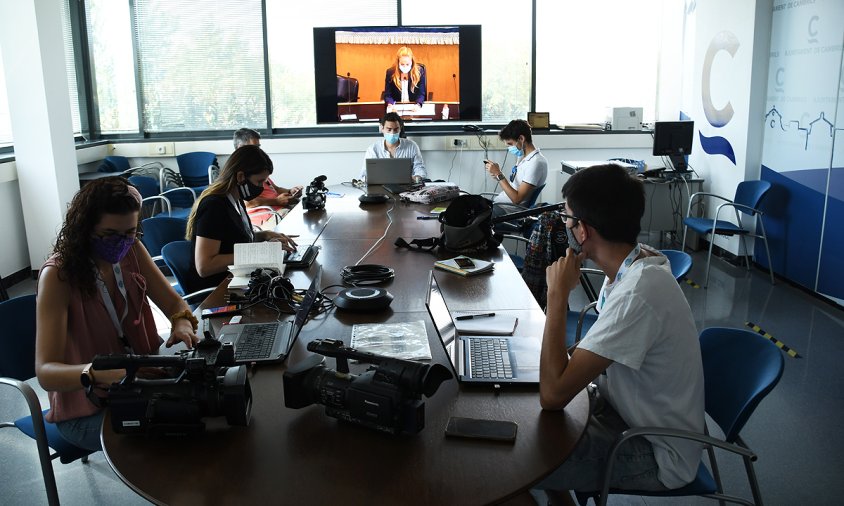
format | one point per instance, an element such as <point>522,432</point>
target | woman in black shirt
<point>219,219</point>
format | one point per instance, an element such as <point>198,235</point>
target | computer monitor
<point>674,140</point>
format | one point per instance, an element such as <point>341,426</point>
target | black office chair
<point>17,364</point>
<point>347,89</point>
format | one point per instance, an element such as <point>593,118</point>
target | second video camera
<point>387,397</point>
<point>206,383</point>
<point>315,194</point>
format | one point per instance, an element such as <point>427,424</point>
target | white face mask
<point>405,68</point>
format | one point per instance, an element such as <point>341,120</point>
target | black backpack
<point>465,226</point>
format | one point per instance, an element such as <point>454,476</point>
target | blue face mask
<point>391,138</point>
<point>515,151</point>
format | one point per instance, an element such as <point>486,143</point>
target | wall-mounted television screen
<point>423,73</point>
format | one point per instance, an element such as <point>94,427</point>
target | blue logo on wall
<point>716,145</point>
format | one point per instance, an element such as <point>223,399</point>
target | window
<point>290,43</point>
<point>593,56</point>
<point>70,66</point>
<point>5,119</point>
<point>506,39</point>
<point>201,65</point>
<point>112,63</point>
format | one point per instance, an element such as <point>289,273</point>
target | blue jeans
<point>83,432</point>
<point>635,467</point>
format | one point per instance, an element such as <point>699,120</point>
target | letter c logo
<point>723,41</point>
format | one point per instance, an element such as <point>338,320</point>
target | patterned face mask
<point>112,248</point>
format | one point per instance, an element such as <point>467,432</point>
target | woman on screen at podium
<point>219,219</point>
<point>94,296</point>
<point>405,81</point>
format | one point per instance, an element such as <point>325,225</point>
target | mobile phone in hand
<point>474,428</point>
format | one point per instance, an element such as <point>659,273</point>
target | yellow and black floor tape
<point>691,283</point>
<point>756,328</point>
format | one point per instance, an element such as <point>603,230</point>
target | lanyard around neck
<point>109,305</point>
<point>243,218</point>
<point>622,270</point>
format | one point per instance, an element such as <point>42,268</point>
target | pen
<point>473,316</point>
<point>426,217</point>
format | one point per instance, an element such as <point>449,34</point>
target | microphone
<point>320,178</point>
<point>535,211</point>
<point>454,82</point>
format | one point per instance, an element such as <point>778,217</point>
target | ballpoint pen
<point>473,316</point>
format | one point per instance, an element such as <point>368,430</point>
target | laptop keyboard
<point>490,358</point>
<point>256,342</point>
<point>296,256</point>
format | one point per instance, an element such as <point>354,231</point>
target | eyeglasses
<point>575,219</point>
<point>114,237</point>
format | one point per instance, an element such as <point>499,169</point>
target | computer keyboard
<point>490,358</point>
<point>296,256</point>
<point>256,342</point>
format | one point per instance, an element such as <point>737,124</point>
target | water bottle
<point>445,111</point>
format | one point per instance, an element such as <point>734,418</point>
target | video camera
<point>315,194</point>
<point>387,397</point>
<point>206,383</point>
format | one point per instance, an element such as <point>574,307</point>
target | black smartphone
<point>474,428</point>
<point>464,262</point>
<point>221,310</point>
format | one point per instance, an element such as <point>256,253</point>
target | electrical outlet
<point>160,148</point>
<point>455,143</point>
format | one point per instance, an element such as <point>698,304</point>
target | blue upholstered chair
<point>681,262</point>
<point>159,231</point>
<point>154,199</point>
<point>178,255</point>
<point>740,368</point>
<point>749,195</point>
<point>197,169</point>
<point>17,364</point>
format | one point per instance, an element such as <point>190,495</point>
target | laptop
<point>483,359</point>
<point>270,342</point>
<point>386,171</point>
<point>302,258</point>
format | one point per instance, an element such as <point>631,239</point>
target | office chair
<point>150,193</point>
<point>347,89</point>
<point>17,364</point>
<point>159,231</point>
<point>195,170</point>
<point>268,212</point>
<point>740,368</point>
<point>681,262</point>
<point>178,255</point>
<point>749,195</point>
<point>116,163</point>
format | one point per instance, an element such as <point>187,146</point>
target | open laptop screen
<point>389,171</point>
<point>441,317</point>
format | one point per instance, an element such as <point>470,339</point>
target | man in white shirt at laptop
<point>528,174</point>
<point>392,146</point>
<point>645,339</point>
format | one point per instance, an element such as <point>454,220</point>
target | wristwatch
<point>87,376</point>
<point>499,177</point>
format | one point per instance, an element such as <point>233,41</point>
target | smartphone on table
<point>464,262</point>
<point>221,310</point>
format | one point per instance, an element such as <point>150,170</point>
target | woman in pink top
<point>92,299</point>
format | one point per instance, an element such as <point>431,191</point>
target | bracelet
<point>187,315</point>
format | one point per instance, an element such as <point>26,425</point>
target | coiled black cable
<point>366,274</point>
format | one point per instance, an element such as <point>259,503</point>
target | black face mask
<point>249,191</point>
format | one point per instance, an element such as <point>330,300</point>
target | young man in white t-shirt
<point>645,339</point>
<point>528,174</point>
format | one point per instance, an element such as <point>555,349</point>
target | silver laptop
<point>270,342</point>
<point>483,359</point>
<point>389,171</point>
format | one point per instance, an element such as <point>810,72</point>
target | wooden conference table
<point>289,456</point>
